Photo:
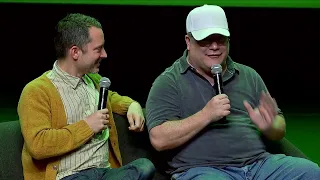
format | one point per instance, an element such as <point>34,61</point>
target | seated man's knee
<point>145,167</point>
<point>309,169</point>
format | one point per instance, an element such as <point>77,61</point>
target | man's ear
<point>74,52</point>
<point>187,39</point>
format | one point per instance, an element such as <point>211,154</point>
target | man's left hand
<point>263,115</point>
<point>135,117</point>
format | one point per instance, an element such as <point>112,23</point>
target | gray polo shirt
<point>180,92</point>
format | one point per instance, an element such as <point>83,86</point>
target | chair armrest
<point>284,146</point>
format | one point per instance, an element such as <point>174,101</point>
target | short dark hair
<point>73,30</point>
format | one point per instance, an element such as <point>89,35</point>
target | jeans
<point>140,169</point>
<point>274,167</point>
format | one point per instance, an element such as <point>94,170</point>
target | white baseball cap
<point>206,20</point>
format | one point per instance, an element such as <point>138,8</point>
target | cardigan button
<point>55,167</point>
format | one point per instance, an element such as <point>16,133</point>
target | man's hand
<point>135,117</point>
<point>217,108</point>
<point>264,115</point>
<point>99,120</point>
<point>266,118</point>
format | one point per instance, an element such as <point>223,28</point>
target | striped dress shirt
<point>80,99</point>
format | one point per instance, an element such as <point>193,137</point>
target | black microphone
<point>103,95</point>
<point>216,71</point>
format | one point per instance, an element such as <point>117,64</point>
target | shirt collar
<point>73,81</point>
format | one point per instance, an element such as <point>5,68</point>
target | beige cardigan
<point>46,134</point>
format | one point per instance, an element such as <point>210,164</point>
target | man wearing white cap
<point>210,135</point>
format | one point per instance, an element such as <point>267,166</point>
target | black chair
<point>11,143</point>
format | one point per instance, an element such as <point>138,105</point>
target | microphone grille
<point>216,69</point>
<point>105,82</point>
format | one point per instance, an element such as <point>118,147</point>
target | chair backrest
<point>11,143</point>
<point>132,146</point>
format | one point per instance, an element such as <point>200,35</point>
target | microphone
<point>216,71</point>
<point>103,95</point>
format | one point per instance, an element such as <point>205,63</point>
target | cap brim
<point>201,34</point>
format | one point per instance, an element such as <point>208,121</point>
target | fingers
<point>267,117</point>
<point>266,107</point>
<point>226,112</point>
<point>248,107</point>
<point>275,103</point>
<point>105,116</point>
<point>138,123</point>
<point>141,128</point>
<point>221,99</point>
<point>226,106</point>
<point>268,103</point>
<point>142,124</point>
<point>224,101</point>
<point>104,111</point>
<point>221,96</point>
<point>130,120</point>
<point>105,124</point>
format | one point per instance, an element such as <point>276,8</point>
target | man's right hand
<point>99,120</point>
<point>218,107</point>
